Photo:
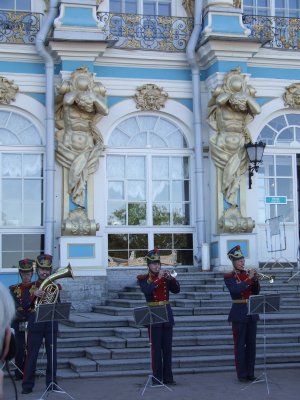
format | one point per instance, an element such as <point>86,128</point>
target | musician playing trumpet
<point>241,285</point>
<point>156,286</point>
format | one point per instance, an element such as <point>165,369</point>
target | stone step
<point>198,361</point>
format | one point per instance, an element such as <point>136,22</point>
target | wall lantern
<point>255,153</point>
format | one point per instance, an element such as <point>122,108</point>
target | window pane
<point>164,9</point>
<point>11,165</point>
<point>115,6</point>
<point>136,190</point>
<point>136,214</point>
<point>135,167</point>
<point>131,6</point>
<point>180,191</point>
<point>161,191</point>
<point>287,211</point>
<point>115,167</point>
<point>138,241</point>
<point>32,165</point>
<point>116,242</point>
<point>284,166</point>
<point>24,5</point>
<point>163,241</point>
<point>180,214</point>
<point>160,168</point>
<point>8,4</point>
<point>116,213</point>
<point>161,214</point>
<point>12,202</point>
<point>116,190</point>
<point>149,8</point>
<point>285,187</point>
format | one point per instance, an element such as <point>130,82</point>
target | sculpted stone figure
<point>81,103</point>
<point>291,96</point>
<point>230,109</point>
<point>150,97</point>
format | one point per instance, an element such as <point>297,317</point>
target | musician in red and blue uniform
<point>156,286</point>
<point>37,331</point>
<point>241,285</point>
<point>23,295</point>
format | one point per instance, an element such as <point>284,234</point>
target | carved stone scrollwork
<point>291,96</point>
<point>232,221</point>
<point>78,224</point>
<point>150,97</point>
<point>8,90</point>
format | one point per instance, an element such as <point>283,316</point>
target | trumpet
<point>270,278</point>
<point>260,276</point>
<point>169,274</point>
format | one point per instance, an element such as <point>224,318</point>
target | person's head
<point>44,266</point>
<point>237,258</point>
<point>26,270</point>
<point>153,261</point>
<point>7,312</point>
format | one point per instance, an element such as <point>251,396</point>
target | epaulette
<point>142,277</point>
<point>228,275</point>
<point>12,287</point>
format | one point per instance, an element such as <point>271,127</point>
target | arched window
<point>149,188</point>
<point>21,188</point>
<point>277,174</point>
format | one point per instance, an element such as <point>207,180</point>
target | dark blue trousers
<point>20,349</point>
<point>36,333</point>
<point>244,337</point>
<point>161,337</point>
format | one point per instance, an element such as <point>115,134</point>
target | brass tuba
<point>50,288</point>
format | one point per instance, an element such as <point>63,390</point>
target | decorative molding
<point>150,97</point>
<point>78,224</point>
<point>8,90</point>
<point>291,96</point>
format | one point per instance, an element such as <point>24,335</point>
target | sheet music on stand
<point>148,316</point>
<point>263,304</point>
<point>276,242</point>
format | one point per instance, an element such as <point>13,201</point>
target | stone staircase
<point>106,342</point>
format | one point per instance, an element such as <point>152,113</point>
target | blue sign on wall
<point>275,200</point>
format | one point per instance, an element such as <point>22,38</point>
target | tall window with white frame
<point>148,189</point>
<point>279,8</point>
<point>15,5</point>
<point>21,189</point>
<point>146,7</point>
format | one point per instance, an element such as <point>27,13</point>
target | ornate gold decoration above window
<point>291,96</point>
<point>150,97</point>
<point>189,6</point>
<point>8,90</point>
<point>78,224</point>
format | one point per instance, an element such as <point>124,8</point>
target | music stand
<point>148,316</point>
<point>49,313</point>
<point>263,304</point>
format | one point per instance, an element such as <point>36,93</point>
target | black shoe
<point>173,383</point>
<point>252,378</point>
<point>26,391</point>
<point>243,380</point>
